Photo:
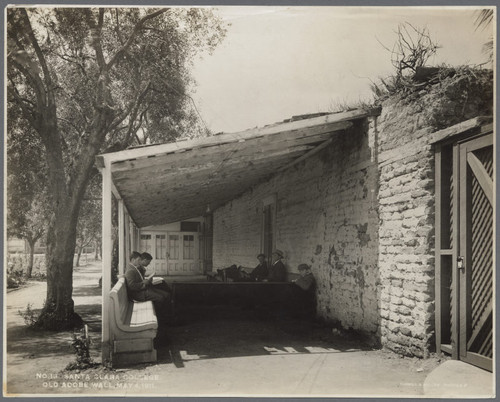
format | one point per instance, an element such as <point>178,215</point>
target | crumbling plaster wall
<point>406,201</point>
<point>326,216</point>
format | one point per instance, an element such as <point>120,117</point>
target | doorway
<point>464,250</point>
<point>174,253</point>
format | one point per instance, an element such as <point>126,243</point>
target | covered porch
<point>185,181</point>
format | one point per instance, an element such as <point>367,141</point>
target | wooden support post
<point>127,236</point>
<point>107,251</point>
<point>121,239</point>
<point>438,246</point>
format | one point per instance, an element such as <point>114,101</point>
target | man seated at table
<point>277,271</point>
<point>261,271</point>
<point>140,288</point>
<point>229,274</point>
<point>305,292</point>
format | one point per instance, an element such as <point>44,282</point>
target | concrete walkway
<point>456,379</point>
<point>263,359</point>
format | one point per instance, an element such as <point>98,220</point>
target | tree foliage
<point>94,80</point>
<point>26,181</point>
<point>89,228</point>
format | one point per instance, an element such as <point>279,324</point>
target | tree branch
<point>27,113</point>
<point>134,33</point>
<point>135,110</point>
<point>96,36</point>
<point>39,55</point>
<point>37,84</point>
<point>70,124</point>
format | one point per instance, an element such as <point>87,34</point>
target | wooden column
<point>136,238</point>
<point>438,245</point>
<point>107,251</point>
<point>127,237</point>
<point>122,259</point>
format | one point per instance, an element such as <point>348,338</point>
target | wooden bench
<point>133,326</point>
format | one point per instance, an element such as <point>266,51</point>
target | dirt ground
<point>211,351</point>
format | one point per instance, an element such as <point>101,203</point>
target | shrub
<point>30,316</point>
<point>19,262</point>
<point>39,276</point>
<point>81,347</point>
<point>15,276</point>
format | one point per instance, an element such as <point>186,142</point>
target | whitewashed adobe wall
<point>327,217</point>
<point>361,212</point>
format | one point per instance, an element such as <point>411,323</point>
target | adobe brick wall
<point>406,207</point>
<point>327,217</point>
<point>406,202</point>
<point>361,212</point>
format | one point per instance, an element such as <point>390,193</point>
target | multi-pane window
<point>188,247</point>
<point>161,247</point>
<point>173,246</point>
<point>145,243</point>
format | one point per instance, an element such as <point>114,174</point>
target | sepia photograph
<point>249,201</point>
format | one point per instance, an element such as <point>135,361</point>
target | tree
<point>27,196</point>
<point>411,50</point>
<point>29,226</point>
<point>89,226</point>
<point>93,80</point>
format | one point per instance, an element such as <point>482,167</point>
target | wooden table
<point>246,294</point>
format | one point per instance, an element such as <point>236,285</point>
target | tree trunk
<point>96,245</point>
<point>58,312</point>
<point>31,258</point>
<point>79,254</point>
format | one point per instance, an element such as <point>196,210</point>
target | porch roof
<point>174,181</point>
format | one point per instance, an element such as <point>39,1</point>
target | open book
<point>157,280</point>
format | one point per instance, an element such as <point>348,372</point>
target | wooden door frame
<point>458,156</point>
<point>197,260</point>
<point>465,250</point>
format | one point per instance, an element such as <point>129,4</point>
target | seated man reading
<point>140,288</point>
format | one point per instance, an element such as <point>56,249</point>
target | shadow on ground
<point>87,291</point>
<point>212,332</point>
<point>34,343</point>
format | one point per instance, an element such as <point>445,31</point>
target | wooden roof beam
<point>258,144</point>
<point>173,172</point>
<point>307,155</point>
<point>330,119</point>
